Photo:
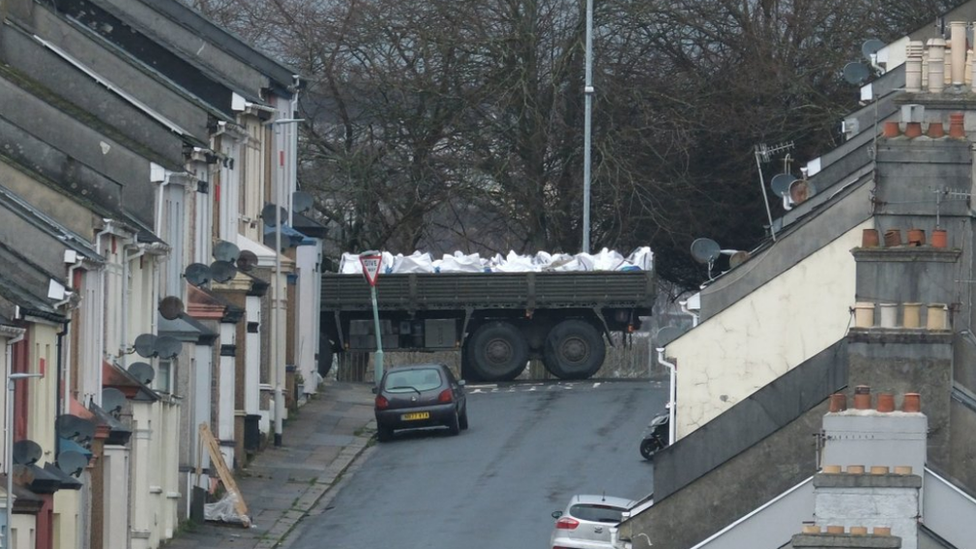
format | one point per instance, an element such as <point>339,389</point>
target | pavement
<point>281,485</point>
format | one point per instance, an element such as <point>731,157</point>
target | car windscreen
<point>411,380</point>
<point>597,513</point>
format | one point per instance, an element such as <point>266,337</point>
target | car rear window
<point>406,381</point>
<point>597,513</point>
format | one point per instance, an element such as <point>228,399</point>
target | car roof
<point>597,499</point>
<point>418,366</point>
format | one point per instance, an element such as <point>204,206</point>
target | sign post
<point>371,262</point>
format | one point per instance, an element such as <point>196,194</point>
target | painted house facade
<point>142,144</point>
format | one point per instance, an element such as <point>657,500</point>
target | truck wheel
<point>468,372</point>
<point>574,350</point>
<point>498,352</point>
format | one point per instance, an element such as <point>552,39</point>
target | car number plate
<point>415,415</point>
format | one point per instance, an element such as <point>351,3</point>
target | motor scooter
<point>655,436</point>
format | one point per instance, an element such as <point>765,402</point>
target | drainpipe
<point>58,404</point>
<point>159,175</point>
<point>126,259</point>
<point>672,369</point>
<point>8,434</point>
<point>687,311</point>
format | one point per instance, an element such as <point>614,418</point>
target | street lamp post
<point>8,440</point>
<point>587,124</point>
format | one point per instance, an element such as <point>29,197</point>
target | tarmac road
<point>529,448</point>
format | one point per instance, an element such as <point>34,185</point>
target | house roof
<point>23,284</point>
<point>280,76</point>
<point>48,225</point>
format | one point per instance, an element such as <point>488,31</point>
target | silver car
<point>586,522</point>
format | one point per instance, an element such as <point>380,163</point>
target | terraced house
<point>143,292</point>
<point>864,295</point>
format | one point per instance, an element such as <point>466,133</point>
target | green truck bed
<point>528,290</point>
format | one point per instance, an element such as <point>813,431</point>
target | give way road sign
<point>371,266</point>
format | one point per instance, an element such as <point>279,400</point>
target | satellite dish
<point>171,307</point>
<point>168,347</point>
<point>247,261</point>
<point>143,371</point>
<point>801,190</point>
<point>781,184</point>
<point>72,462</point>
<point>738,258</point>
<point>112,400</point>
<point>301,201</point>
<point>74,428</point>
<point>268,215</point>
<point>222,271</point>
<point>198,274</point>
<point>667,335</point>
<point>226,251</point>
<point>146,345</point>
<point>871,47</point>
<point>856,73</point>
<point>27,452</point>
<point>705,250</point>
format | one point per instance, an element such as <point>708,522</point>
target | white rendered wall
<point>764,335</point>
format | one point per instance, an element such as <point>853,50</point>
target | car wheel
<point>574,350</point>
<point>649,447</point>
<point>384,434</point>
<point>463,419</point>
<point>454,424</point>
<point>498,351</point>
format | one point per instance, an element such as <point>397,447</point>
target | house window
<point>163,381</point>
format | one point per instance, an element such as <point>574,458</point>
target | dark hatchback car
<point>420,395</point>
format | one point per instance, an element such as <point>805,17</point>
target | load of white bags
<point>641,259</point>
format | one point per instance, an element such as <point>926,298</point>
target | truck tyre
<point>498,352</point>
<point>468,372</point>
<point>574,350</point>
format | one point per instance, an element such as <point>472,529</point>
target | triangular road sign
<point>371,266</point>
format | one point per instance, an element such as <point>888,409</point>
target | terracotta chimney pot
<point>810,528</point>
<point>835,529</point>
<point>936,130</point>
<point>855,469</point>
<point>859,530</point>
<point>913,129</point>
<point>886,402</point>
<point>879,469</point>
<point>882,531</point>
<point>903,469</point>
<point>891,129</point>
<point>838,402</point>
<point>956,125</point>
<point>912,403</point>
<point>862,397</point>
<point>831,469</point>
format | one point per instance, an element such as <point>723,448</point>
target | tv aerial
<point>226,251</point>
<point>171,307</point>
<point>142,371</point>
<point>198,274</point>
<point>74,428</point>
<point>168,347</point>
<point>26,452</point>
<point>222,271</point>
<point>706,250</point>
<point>145,345</point>
<point>112,401</point>
<point>302,201</point>
<point>72,463</point>
<point>247,261</point>
<point>764,153</point>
